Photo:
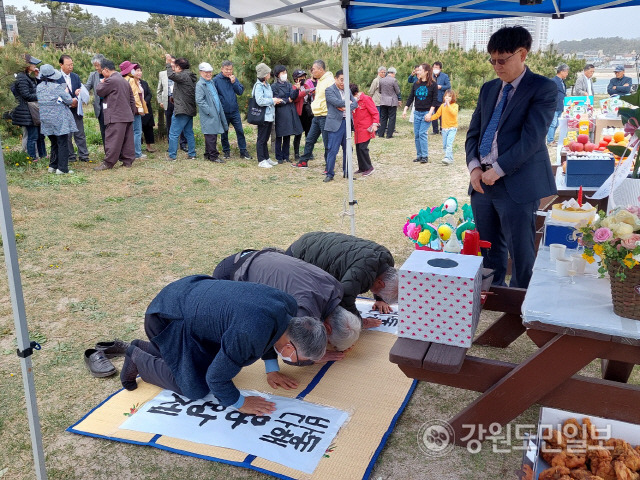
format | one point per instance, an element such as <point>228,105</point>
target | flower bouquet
<point>615,239</point>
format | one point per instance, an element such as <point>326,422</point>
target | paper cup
<point>579,263</point>
<point>563,266</point>
<point>556,250</point>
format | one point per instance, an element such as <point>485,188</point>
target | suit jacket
<point>92,82</point>
<point>580,87</point>
<point>118,104</point>
<point>443,81</point>
<point>76,83</point>
<point>162,92</point>
<point>522,148</point>
<point>218,327</point>
<point>374,90</point>
<point>335,101</point>
<point>389,91</point>
<point>562,92</point>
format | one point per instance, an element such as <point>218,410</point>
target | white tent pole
<point>25,349</point>
<point>347,109</point>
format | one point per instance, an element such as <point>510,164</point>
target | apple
<point>607,138</point>
<point>577,147</point>
<point>583,139</point>
<point>590,147</point>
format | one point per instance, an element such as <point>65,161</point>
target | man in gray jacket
<point>184,105</point>
<point>317,292</point>
<point>212,118</point>
<point>389,95</point>
<point>584,85</point>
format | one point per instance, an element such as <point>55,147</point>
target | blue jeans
<point>420,129</point>
<point>317,129</point>
<point>448,136</point>
<point>235,120</point>
<point>336,140</point>
<point>33,134</point>
<point>137,135</point>
<point>181,124</point>
<point>554,125</point>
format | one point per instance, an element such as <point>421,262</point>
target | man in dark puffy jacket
<point>360,265</point>
<point>184,105</point>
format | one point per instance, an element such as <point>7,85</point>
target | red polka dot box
<point>439,297</point>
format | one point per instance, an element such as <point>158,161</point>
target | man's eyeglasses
<point>298,362</point>
<point>501,61</point>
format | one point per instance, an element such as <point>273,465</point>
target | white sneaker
<point>60,172</point>
<point>142,156</point>
<point>271,162</point>
<point>447,161</point>
<point>52,170</point>
<point>265,164</point>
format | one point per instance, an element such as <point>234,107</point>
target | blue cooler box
<point>558,232</point>
<point>589,172</point>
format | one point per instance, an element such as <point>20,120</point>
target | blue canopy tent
<point>344,16</point>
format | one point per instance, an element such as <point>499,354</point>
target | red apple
<point>590,147</point>
<point>577,147</point>
<point>583,138</point>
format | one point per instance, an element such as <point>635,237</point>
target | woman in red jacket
<point>365,121</point>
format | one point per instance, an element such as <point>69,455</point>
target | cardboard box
<point>589,172</point>
<point>559,232</point>
<point>553,418</point>
<point>603,123</point>
<point>439,297</point>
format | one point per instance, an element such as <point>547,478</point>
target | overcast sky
<point>622,22</point>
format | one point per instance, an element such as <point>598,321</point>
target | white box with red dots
<point>439,297</point>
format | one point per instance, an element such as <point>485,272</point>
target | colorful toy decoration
<point>432,227</point>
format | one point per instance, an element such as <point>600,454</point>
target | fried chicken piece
<point>571,429</point>
<point>590,430</point>
<point>601,464</point>
<point>580,474</point>
<point>528,472</point>
<point>623,473</point>
<point>555,473</point>
<point>630,457</point>
<point>569,460</point>
<point>554,439</point>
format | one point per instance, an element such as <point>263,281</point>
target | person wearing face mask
<point>287,119</point>
<point>443,84</point>
<point>203,331</point>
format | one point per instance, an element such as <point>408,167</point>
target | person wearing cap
<point>263,96</point>
<point>130,73</point>
<point>303,108</point>
<point>73,83</point>
<point>56,120</point>
<point>24,89</point>
<point>389,94</point>
<point>561,73</point>
<point>287,119</point>
<point>184,105</point>
<point>213,121</point>
<point>118,106</point>
<point>619,85</point>
<point>229,87</point>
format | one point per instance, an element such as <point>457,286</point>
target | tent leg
<point>20,320</point>
<point>345,69</point>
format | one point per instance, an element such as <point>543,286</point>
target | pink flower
<point>404,229</point>
<point>630,242</point>
<point>602,235</point>
<point>633,209</point>
<point>413,230</point>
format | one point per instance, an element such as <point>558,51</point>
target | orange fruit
<point>618,137</point>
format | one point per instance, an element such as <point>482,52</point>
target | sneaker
<point>191,158</point>
<point>51,170</point>
<point>424,160</point>
<point>447,161</point>
<point>60,172</point>
<point>328,179</point>
<point>368,172</point>
<point>216,160</point>
<point>358,171</point>
<point>300,164</point>
<point>245,156</point>
<point>227,154</point>
<point>271,162</point>
<point>142,156</point>
<point>265,164</point>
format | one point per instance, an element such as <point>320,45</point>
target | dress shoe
<point>127,165</point>
<point>245,155</point>
<point>424,160</point>
<point>116,348</point>
<point>103,166</point>
<point>328,179</point>
<point>169,158</point>
<point>98,364</point>
<point>151,149</point>
<point>417,159</point>
<point>217,160</point>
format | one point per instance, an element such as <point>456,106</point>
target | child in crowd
<point>449,112</point>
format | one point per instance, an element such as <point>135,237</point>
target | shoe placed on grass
<point>60,172</point>
<point>98,364</point>
<point>300,164</point>
<point>368,172</point>
<point>265,164</point>
<point>447,161</point>
<point>245,155</point>
<point>328,179</point>
<point>271,162</point>
<point>116,348</point>
<point>424,160</point>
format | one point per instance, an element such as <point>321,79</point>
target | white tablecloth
<point>585,305</point>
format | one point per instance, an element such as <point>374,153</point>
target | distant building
<point>12,28</point>
<point>298,34</point>
<point>476,33</point>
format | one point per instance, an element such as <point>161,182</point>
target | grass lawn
<point>96,247</point>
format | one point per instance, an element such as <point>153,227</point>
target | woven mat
<point>365,384</point>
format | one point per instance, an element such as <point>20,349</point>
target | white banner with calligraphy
<point>296,435</point>
<point>389,321</point>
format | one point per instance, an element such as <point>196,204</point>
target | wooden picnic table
<point>571,324</point>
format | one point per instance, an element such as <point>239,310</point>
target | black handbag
<point>255,113</point>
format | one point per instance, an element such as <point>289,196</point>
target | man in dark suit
<point>336,126</point>
<point>442,81</point>
<point>118,108</point>
<point>73,82</point>
<point>507,156</point>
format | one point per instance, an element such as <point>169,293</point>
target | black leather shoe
<point>98,364</point>
<point>245,156</point>
<point>424,160</point>
<point>417,159</point>
<point>117,348</point>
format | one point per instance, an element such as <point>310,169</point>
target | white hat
<point>205,67</point>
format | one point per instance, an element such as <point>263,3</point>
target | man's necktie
<point>490,132</point>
